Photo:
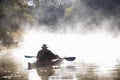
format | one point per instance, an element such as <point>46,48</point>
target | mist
<point>85,28</point>
<point>79,16</point>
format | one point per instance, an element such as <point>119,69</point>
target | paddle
<point>30,56</point>
<point>66,58</point>
<point>70,58</point>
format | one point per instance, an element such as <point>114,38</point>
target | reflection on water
<point>45,72</point>
<point>75,71</point>
<point>72,71</point>
<point>116,72</point>
<point>9,69</point>
<point>8,75</point>
<point>57,73</point>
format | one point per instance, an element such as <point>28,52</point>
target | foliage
<point>9,69</point>
<point>12,14</point>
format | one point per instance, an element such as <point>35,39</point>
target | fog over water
<point>86,29</point>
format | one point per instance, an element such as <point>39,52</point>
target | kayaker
<point>44,54</point>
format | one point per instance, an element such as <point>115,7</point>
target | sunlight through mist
<point>98,48</point>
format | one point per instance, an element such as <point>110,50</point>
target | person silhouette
<point>45,55</point>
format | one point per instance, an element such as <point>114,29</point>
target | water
<point>56,72</point>
<point>66,71</point>
<point>12,76</point>
<point>75,71</point>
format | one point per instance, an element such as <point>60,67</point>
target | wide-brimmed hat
<point>44,46</point>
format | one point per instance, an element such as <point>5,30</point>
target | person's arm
<point>38,54</point>
<point>54,55</point>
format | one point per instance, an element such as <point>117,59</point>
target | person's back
<point>45,54</point>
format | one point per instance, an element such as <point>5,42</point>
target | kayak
<point>53,62</point>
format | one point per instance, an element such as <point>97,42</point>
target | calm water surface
<point>70,71</point>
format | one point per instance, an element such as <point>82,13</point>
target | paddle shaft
<point>66,58</point>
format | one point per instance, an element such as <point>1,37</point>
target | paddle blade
<point>29,56</point>
<point>70,58</point>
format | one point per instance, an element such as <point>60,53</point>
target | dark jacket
<point>45,54</point>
